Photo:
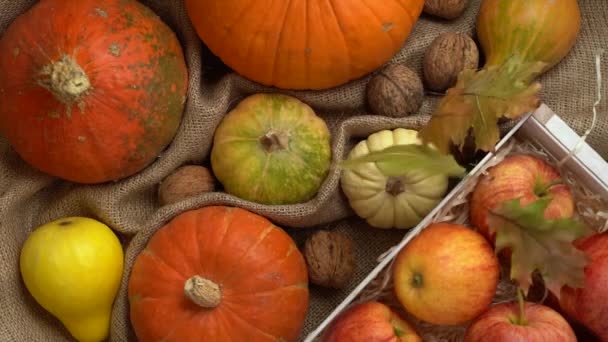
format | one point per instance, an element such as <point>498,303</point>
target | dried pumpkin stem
<point>203,292</point>
<point>65,79</point>
<point>394,186</point>
<point>273,141</point>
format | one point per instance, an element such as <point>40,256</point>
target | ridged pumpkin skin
<point>307,44</point>
<point>260,271</point>
<point>386,201</point>
<point>90,91</point>
<point>533,30</point>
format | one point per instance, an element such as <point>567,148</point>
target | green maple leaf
<point>478,100</point>
<point>399,159</point>
<point>540,244</point>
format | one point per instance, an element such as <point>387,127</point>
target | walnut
<point>184,182</point>
<point>446,9</point>
<point>447,56</point>
<point>396,91</point>
<point>330,257</point>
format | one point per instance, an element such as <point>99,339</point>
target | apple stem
<point>541,189</point>
<point>520,299</point>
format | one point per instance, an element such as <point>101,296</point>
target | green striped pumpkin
<point>271,149</point>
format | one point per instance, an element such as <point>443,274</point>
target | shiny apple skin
<point>589,305</point>
<point>459,273</point>
<point>516,177</point>
<point>370,322</point>
<point>543,324</point>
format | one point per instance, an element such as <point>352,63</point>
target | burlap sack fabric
<point>29,198</point>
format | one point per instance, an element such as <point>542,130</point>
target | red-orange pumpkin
<point>307,44</point>
<point>219,274</point>
<point>90,91</point>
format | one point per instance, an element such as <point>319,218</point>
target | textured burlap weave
<point>29,198</point>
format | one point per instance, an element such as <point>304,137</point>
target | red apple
<point>447,274</point>
<point>370,322</point>
<point>589,305</point>
<point>501,324</point>
<point>519,176</point>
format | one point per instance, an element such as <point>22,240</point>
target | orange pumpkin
<point>308,44</point>
<point>219,274</point>
<point>90,91</point>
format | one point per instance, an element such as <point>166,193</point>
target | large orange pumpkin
<point>305,44</point>
<point>90,91</point>
<point>219,274</point>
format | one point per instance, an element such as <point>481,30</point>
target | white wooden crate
<point>545,129</point>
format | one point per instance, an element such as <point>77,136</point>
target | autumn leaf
<point>540,244</point>
<point>399,159</point>
<point>478,100</point>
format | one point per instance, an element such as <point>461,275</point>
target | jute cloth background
<point>29,198</point>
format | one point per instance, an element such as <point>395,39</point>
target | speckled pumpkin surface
<point>271,149</point>
<point>91,91</point>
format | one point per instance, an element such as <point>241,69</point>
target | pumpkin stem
<point>203,292</point>
<point>65,79</point>
<point>273,141</point>
<point>394,186</point>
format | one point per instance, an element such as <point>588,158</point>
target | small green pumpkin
<point>271,149</point>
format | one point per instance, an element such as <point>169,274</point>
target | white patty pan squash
<point>390,202</point>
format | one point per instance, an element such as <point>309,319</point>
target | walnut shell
<point>446,57</point>
<point>446,9</point>
<point>395,91</point>
<point>184,182</point>
<point>330,257</point>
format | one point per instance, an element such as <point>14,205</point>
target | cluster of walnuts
<point>397,91</point>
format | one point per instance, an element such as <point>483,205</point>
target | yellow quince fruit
<point>73,268</point>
